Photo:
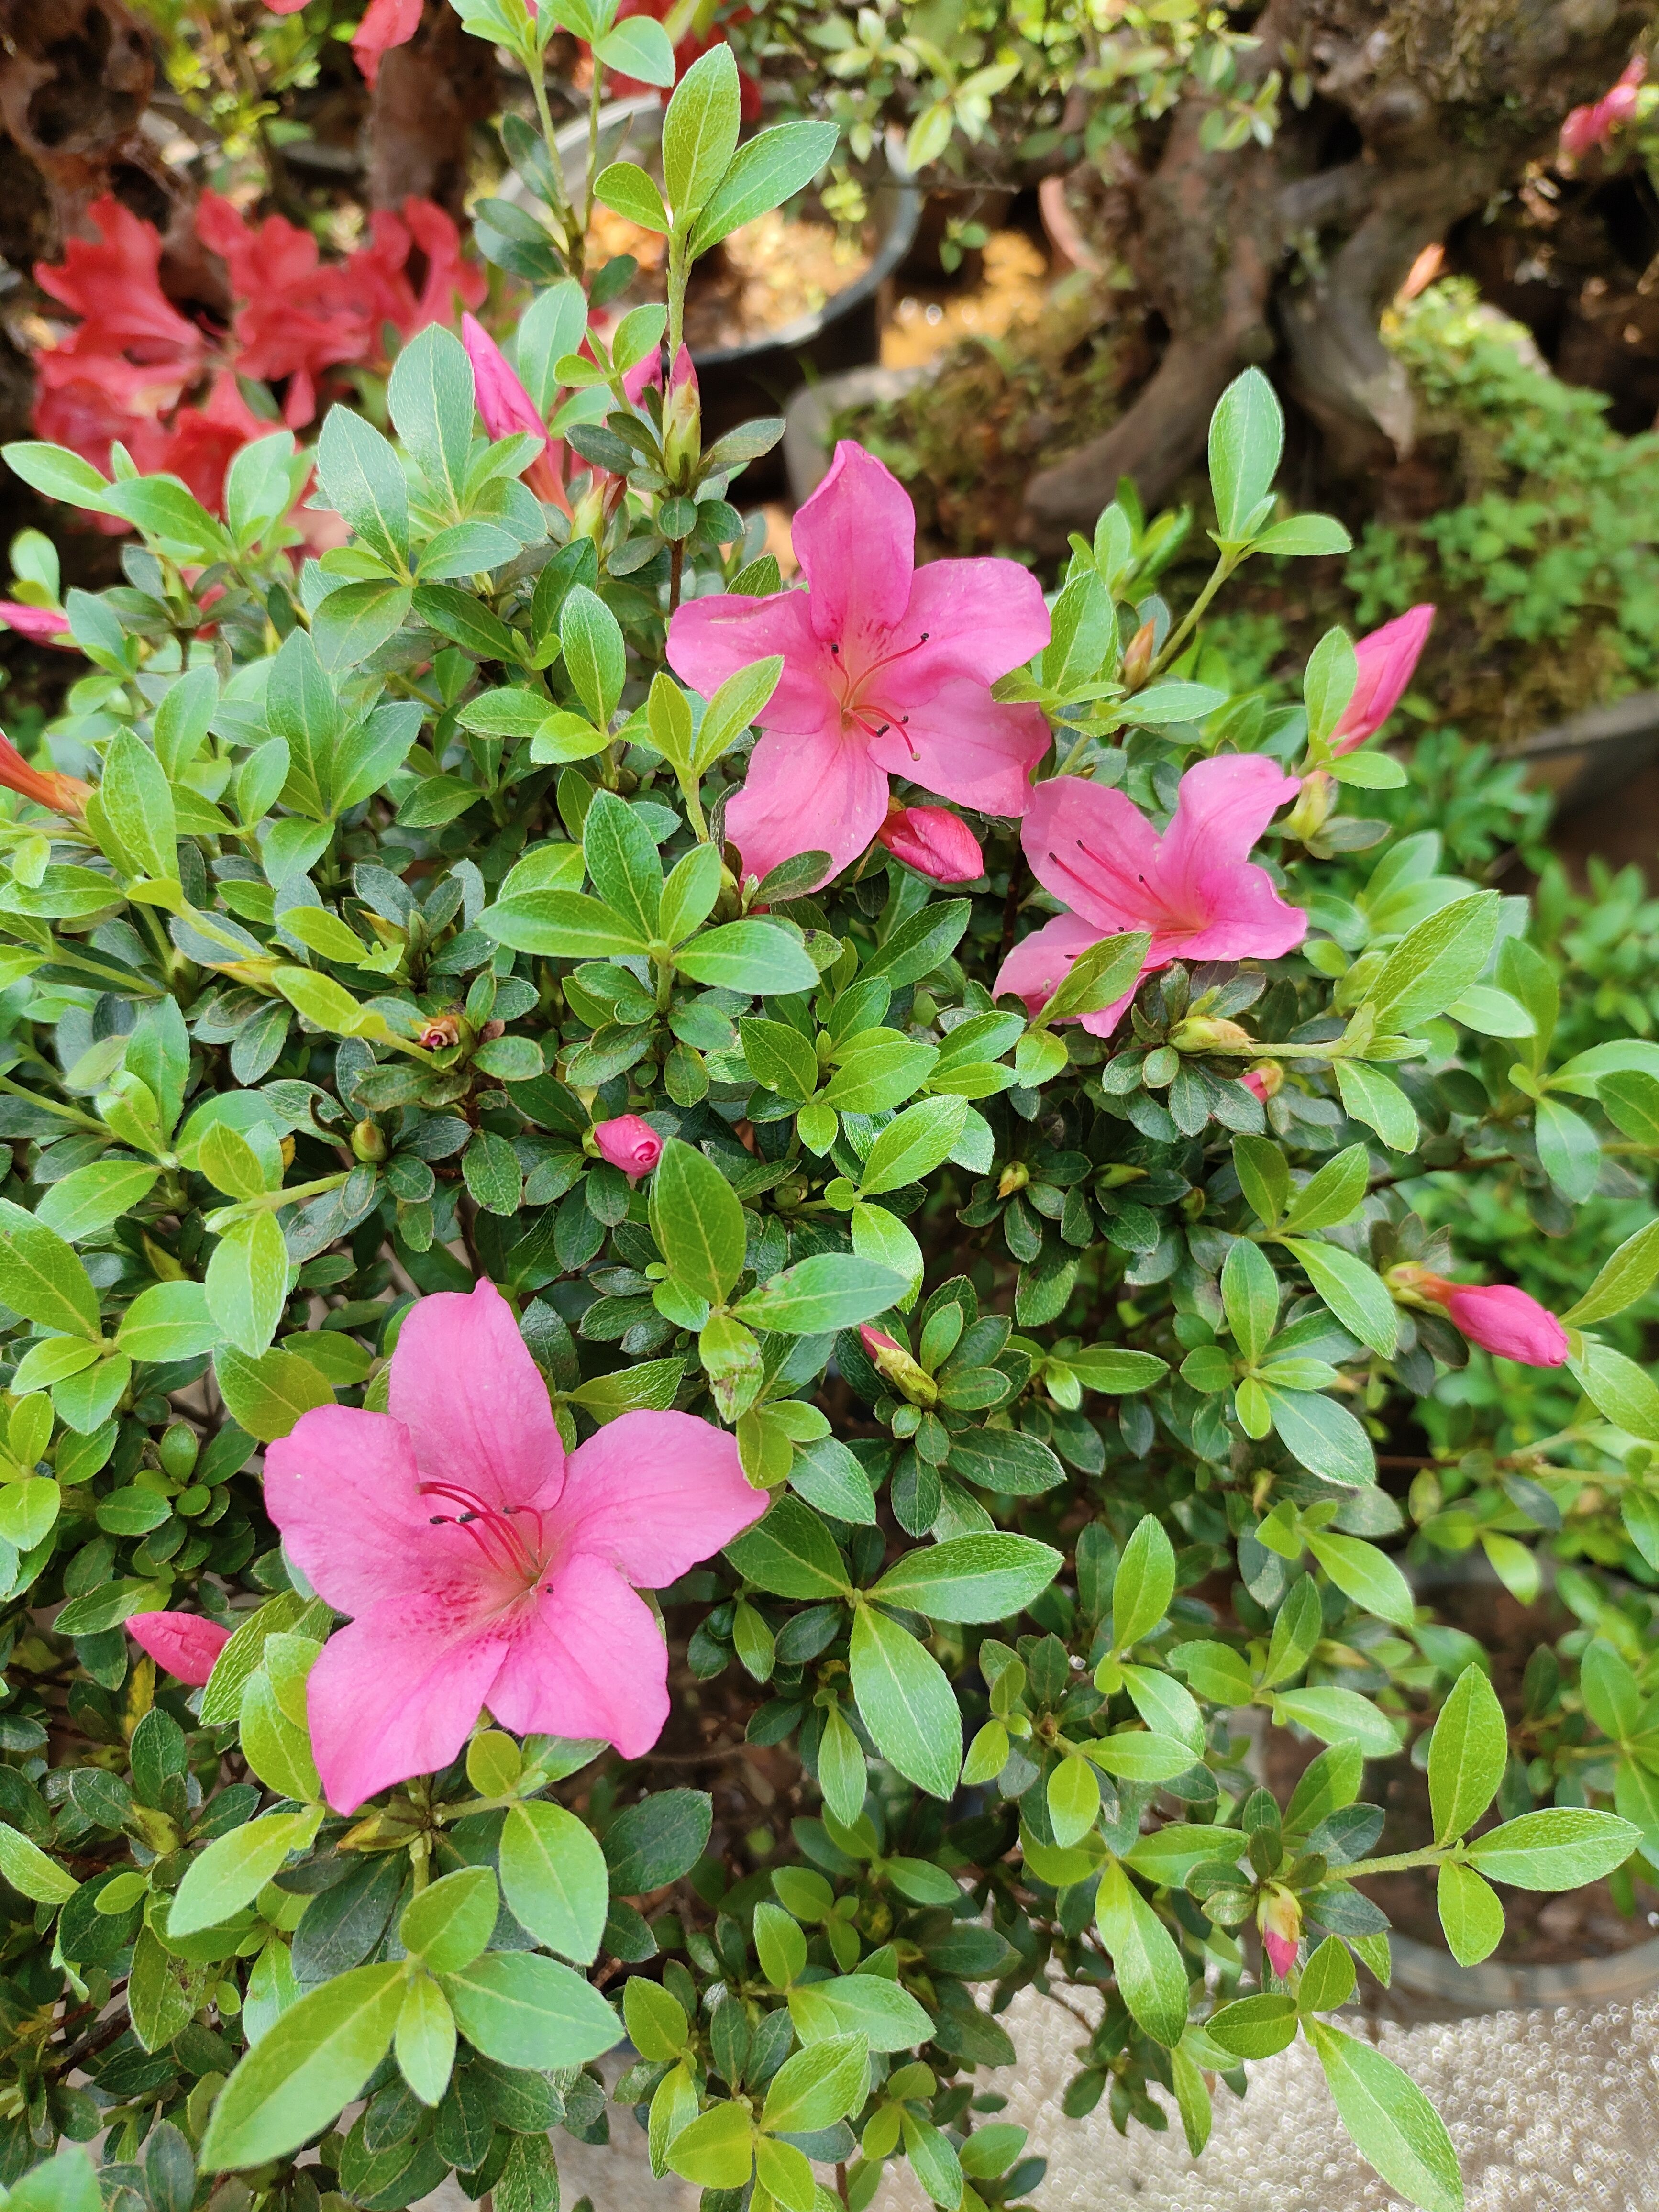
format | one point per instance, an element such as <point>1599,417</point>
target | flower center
<point>497,1531</point>
<point>867,713</point>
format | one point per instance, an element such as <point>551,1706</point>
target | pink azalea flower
<point>481,1565</point>
<point>1594,126</point>
<point>507,408</point>
<point>933,842</point>
<point>629,1142</point>
<point>1498,1316</point>
<point>1387,658</point>
<point>44,625</point>
<point>1194,888</point>
<point>185,1643</point>
<point>887,671</point>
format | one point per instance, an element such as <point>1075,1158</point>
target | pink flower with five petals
<point>481,1565</point>
<point>887,670</point>
<point>1194,888</point>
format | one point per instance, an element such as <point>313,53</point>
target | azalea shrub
<point>701,1281</point>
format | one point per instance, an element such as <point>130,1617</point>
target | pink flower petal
<point>1387,658</point>
<point>1223,807</point>
<point>183,1644</point>
<point>983,618</point>
<point>962,744</point>
<point>855,540</point>
<point>397,1693</point>
<point>653,1493</point>
<point>591,1662</point>
<point>933,842</point>
<point>386,23</point>
<point>344,1489</point>
<point>817,793</point>
<point>503,403</point>
<point>1094,849</point>
<point>1507,1321</point>
<point>709,640</point>
<point>1039,963</point>
<point>42,625</point>
<point>474,1402</point>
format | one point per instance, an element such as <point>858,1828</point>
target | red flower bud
<point>629,1142</point>
<point>185,1643</point>
<point>933,842</point>
<point>64,795</point>
<point>1498,1317</point>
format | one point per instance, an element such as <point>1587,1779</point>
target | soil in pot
<point>1540,1929</point>
<point>784,266</point>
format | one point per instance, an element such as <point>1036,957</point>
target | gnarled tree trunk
<point>1422,111</point>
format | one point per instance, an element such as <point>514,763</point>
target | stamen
<point>903,653</point>
<point>491,1528</point>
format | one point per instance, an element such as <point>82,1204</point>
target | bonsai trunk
<point>1421,112</point>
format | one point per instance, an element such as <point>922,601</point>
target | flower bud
<point>64,795</point>
<point>895,1365</point>
<point>1498,1317</point>
<point>1279,1917</point>
<point>1384,660</point>
<point>1264,1082</point>
<point>1014,1177</point>
<point>1139,655</point>
<point>1313,806</point>
<point>369,1141</point>
<point>1202,1032</point>
<point>629,1142</point>
<point>933,842</point>
<point>439,1031</point>
<point>185,1643</point>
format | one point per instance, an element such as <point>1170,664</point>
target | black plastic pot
<point>740,383</point>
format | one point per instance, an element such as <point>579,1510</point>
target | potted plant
<point>670,1383</point>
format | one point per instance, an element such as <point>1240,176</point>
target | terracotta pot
<point>1071,249</point>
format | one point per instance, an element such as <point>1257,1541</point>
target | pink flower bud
<point>1595,125</point>
<point>895,1365</point>
<point>629,1142</point>
<point>46,786</point>
<point>1507,1321</point>
<point>1265,1082</point>
<point>506,409</point>
<point>439,1032</point>
<point>876,1340</point>
<point>933,842</point>
<point>1387,658</point>
<point>1279,1917</point>
<point>41,625</point>
<point>645,373</point>
<point>185,1643</point>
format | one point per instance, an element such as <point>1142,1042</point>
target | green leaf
<point>791,1553</point>
<point>1249,1295</point>
<point>1246,436</point>
<point>1145,1583</point>
<point>65,2183</point>
<point>732,709</point>
<point>656,1841</point>
<point>1146,1957</point>
<point>1379,1102</point>
<point>1393,2123</point>
<point>717,2149</point>
<point>234,1869</point>
<point>822,2084</point>
<point>41,1278</point>
<point>555,1879</point>
<point>57,473</point>
<point>1263,1175</point>
<point>1354,1292</point>
<point>306,2067</point>
<point>780,1945</point>
<point>689,895</point>
<point>362,479</point>
<point>521,2010</point>
<point>1329,1978</point>
<point>29,1871</point>
<point>779,1056</point>
<point>1140,1755</point>
<point>1366,1574</point>
<point>700,133</point>
<point>1107,1368</point>
<point>1471,1913</point>
<point>559,925</point>
<point>639,47</point>
<point>356,620</point>
<point>1327,685</point>
<point>760,958</point>
<point>867,2006</point>
<point>424,2041</point>
<point>1564,1848</point>
<point>909,1706</point>
<point>448,1923</point>
<point>93,1197</point>
<point>137,803</point>
<point>430,399</point>
<point>1255,2028</point>
<point>1334,1195</point>
<point>1568,1150</point>
<point>830,1291</point>
<point>1325,1437</point>
<point>247,1283</point>
<point>1339,1716</point>
<point>621,858</point>
<point>697,1219</point>
<point>916,947</point>
<point>656,2020</point>
<point>595,659</point>
<point>629,190</point>
<point>1627,1277</point>
<point>1467,1753</point>
<point>266,1396</point>
<point>912,1145</point>
<point>1620,1391</point>
<point>983,1577</point>
<point>168,1321</point>
<point>1304,536</point>
<point>1436,962</point>
<point>770,168</point>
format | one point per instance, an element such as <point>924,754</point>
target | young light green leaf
<point>1393,2123</point>
<point>909,1706</point>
